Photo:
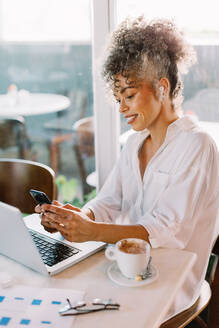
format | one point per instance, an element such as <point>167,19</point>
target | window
<point>45,21</point>
<point>45,47</point>
<point>199,21</point>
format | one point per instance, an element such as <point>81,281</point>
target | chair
<point>13,134</point>
<point>208,295</point>
<point>60,128</point>
<point>184,318</point>
<point>84,147</point>
<point>214,303</point>
<point>18,176</point>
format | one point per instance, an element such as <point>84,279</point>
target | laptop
<point>25,241</point>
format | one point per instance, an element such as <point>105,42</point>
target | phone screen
<point>40,197</point>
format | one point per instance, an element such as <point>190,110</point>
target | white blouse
<point>177,201</point>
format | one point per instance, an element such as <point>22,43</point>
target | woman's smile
<point>131,119</point>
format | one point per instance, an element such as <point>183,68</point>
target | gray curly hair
<point>149,51</point>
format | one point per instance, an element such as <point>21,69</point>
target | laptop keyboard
<point>51,250</point>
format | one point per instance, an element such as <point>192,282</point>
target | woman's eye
<point>130,97</point>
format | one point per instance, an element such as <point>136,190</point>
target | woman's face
<point>138,103</point>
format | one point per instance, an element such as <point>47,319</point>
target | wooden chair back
<point>84,129</point>
<point>214,303</point>
<point>13,134</point>
<point>18,176</point>
<point>184,318</point>
<point>84,147</point>
<point>59,130</point>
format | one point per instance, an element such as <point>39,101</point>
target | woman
<point>164,187</point>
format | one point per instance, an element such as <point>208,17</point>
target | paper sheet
<point>23,306</point>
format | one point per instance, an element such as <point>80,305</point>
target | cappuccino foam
<point>132,247</point>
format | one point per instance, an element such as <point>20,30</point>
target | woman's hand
<point>44,219</point>
<point>69,220</point>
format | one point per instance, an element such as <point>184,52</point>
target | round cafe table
<point>33,104</point>
<point>25,104</point>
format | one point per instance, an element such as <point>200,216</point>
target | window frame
<point>106,115</point>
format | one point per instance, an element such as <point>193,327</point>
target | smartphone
<point>40,197</point>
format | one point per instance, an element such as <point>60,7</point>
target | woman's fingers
<point>57,203</point>
<point>55,217</point>
<point>47,224</point>
<point>72,207</point>
<point>38,209</point>
<point>63,229</point>
<point>53,208</point>
<point>59,214</point>
<point>63,220</point>
<point>66,226</point>
<point>73,225</point>
<point>51,230</point>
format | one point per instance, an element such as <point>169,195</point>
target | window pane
<point>45,20</point>
<point>199,20</point>
<point>189,15</point>
<point>59,63</point>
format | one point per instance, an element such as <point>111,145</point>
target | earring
<point>161,95</point>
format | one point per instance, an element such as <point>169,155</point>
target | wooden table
<point>144,306</point>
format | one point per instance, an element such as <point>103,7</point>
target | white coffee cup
<point>131,254</point>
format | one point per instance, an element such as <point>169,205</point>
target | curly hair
<point>149,51</point>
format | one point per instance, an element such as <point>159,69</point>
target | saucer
<point>116,276</point>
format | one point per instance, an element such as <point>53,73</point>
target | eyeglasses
<point>82,308</point>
